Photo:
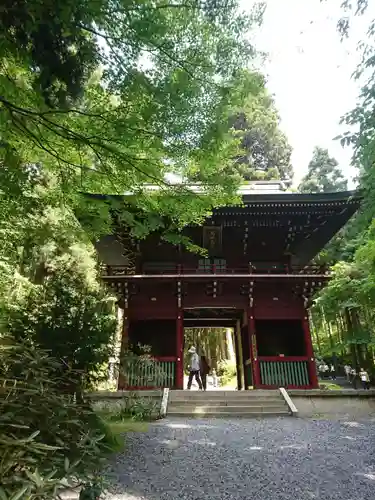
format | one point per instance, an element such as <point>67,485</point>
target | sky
<point>309,72</point>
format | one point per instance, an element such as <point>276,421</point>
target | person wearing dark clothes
<point>365,379</point>
<point>194,366</point>
<point>204,371</point>
<point>353,376</point>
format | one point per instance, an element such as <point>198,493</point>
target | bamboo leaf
<point>18,495</point>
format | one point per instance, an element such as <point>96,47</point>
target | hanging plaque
<point>212,239</point>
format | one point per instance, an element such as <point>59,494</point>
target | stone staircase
<point>224,404</point>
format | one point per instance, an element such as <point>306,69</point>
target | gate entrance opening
<point>214,333</point>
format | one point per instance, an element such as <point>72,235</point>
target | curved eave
<point>353,196</point>
<point>341,196</point>
<point>331,210</point>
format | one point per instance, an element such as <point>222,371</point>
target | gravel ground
<point>273,459</point>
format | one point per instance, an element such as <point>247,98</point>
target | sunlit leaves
<point>168,82</point>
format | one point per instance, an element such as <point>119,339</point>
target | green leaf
<point>19,494</point>
<point>3,495</point>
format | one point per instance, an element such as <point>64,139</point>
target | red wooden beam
<point>253,348</point>
<point>207,276</point>
<point>310,353</point>
<point>287,386</point>
<point>165,358</point>
<point>180,349</point>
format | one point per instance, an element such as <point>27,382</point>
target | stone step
<point>218,400</point>
<point>227,409</point>
<point>221,404</point>
<point>219,392</point>
<point>248,414</point>
<point>228,402</point>
<point>220,395</point>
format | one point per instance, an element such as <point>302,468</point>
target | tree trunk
<point>231,353</point>
<point>357,327</point>
<point>314,331</point>
<point>349,326</point>
<point>328,329</point>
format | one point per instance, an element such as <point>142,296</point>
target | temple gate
<point>257,278</point>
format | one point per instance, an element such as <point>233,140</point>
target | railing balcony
<point>213,269</point>
<point>291,371</point>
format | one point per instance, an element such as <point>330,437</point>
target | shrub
<point>46,438</point>
<point>69,313</point>
<point>226,370</point>
<point>133,406</point>
<point>139,407</point>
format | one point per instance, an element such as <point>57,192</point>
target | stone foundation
<point>346,403</point>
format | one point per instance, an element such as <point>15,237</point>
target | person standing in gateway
<point>204,371</point>
<point>194,367</point>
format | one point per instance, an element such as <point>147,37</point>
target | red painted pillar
<point>180,350</point>
<point>125,335</point>
<point>179,340</point>
<point>314,383</point>
<point>124,346</point>
<point>253,349</point>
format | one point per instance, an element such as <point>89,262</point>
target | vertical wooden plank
<point>255,364</point>
<point>297,382</point>
<point>271,372</point>
<point>299,373</point>
<point>275,373</point>
<point>302,372</point>
<point>180,350</point>
<point>293,370</point>
<point>283,371</point>
<point>179,380</point>
<point>143,382</point>
<point>157,372</point>
<point>236,348</point>
<point>163,374</point>
<point>313,377</point>
<point>122,382</point>
<point>289,377</point>
<point>168,377</point>
<point>279,373</point>
<point>240,361</point>
<point>306,373</point>
<point>299,379</point>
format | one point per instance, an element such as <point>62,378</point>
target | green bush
<point>226,370</point>
<point>67,312</point>
<point>136,407</point>
<point>47,439</point>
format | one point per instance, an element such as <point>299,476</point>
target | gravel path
<point>273,459</point>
